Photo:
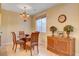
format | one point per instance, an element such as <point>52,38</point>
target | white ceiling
<point>32,8</point>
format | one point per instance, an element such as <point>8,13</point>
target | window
<point>41,24</point>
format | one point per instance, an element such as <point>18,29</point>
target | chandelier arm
<point>24,15</point>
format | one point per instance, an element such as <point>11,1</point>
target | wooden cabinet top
<point>60,38</point>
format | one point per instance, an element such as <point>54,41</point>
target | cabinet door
<point>61,46</point>
<point>50,43</point>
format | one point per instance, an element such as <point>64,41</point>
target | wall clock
<point>62,18</point>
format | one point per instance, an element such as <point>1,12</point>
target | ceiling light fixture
<point>24,15</point>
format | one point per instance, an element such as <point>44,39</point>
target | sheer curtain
<point>41,27</point>
<point>41,24</point>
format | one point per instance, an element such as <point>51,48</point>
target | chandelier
<point>24,15</point>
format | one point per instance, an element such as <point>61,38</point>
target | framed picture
<point>62,18</point>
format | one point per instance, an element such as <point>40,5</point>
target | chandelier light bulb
<point>24,15</point>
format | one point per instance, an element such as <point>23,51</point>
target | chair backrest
<point>14,37</point>
<point>34,36</point>
<point>21,34</point>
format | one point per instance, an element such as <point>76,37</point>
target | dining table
<point>25,39</point>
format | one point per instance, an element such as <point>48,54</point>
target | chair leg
<point>33,47</point>
<point>21,46</point>
<point>31,51</point>
<point>37,49</point>
<point>15,47</point>
<point>24,45</point>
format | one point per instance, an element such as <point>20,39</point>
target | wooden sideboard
<point>61,46</point>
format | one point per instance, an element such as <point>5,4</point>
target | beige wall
<point>12,22</point>
<point>0,7</point>
<point>0,19</point>
<point>0,15</point>
<point>72,13</point>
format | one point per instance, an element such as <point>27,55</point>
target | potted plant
<point>68,29</point>
<point>53,29</point>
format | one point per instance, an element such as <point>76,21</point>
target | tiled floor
<point>7,51</point>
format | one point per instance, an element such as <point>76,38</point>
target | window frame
<point>40,17</point>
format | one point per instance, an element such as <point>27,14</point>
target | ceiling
<point>31,8</point>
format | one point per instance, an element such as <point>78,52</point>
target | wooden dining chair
<point>15,42</point>
<point>34,41</point>
<point>21,34</point>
